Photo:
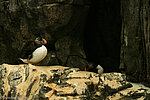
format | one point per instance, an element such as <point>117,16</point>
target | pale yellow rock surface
<point>64,83</point>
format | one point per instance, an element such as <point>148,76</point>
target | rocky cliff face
<point>135,46</point>
<point>28,82</point>
<point>60,22</point>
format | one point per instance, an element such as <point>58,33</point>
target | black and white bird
<point>34,51</point>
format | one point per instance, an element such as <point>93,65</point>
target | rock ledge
<point>57,82</point>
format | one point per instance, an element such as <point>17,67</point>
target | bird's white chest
<point>39,54</point>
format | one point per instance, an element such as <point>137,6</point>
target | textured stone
<point>60,91</point>
<point>113,80</point>
<point>85,75</point>
<point>79,84</point>
<point>80,74</point>
<point>54,15</point>
<point>59,82</point>
<point>137,91</point>
<point>135,45</point>
<point>65,91</point>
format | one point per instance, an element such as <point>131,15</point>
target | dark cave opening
<point>102,34</point>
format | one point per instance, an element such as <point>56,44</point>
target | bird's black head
<point>40,40</point>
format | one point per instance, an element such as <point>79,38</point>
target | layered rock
<point>58,82</point>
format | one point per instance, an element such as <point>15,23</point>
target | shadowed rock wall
<point>135,40</point>
<point>60,22</point>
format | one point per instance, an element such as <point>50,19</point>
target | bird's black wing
<point>28,49</point>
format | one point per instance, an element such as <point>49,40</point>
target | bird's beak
<point>44,41</point>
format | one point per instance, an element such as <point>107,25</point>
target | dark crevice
<point>17,78</point>
<point>102,36</point>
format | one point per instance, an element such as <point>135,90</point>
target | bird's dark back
<point>29,48</point>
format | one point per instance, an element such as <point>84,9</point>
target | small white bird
<point>35,51</point>
<point>100,69</point>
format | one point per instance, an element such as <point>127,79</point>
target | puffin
<point>34,51</point>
